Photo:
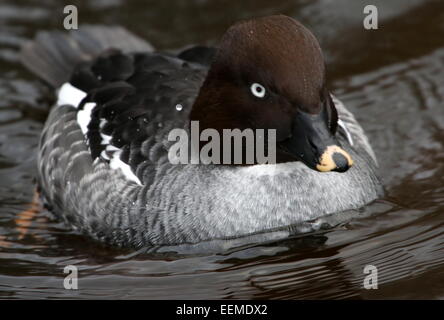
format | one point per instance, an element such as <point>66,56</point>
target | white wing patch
<point>116,163</point>
<point>353,130</point>
<point>70,95</point>
<point>343,126</point>
<point>84,116</point>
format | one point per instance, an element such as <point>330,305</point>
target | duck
<point>103,164</point>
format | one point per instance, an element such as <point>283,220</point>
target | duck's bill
<point>312,143</point>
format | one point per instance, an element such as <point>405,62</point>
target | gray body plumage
<point>191,203</point>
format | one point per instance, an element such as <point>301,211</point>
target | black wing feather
<point>135,94</point>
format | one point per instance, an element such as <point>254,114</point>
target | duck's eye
<point>258,90</point>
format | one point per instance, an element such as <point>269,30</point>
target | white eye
<point>258,90</point>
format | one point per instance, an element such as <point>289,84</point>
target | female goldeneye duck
<point>103,164</point>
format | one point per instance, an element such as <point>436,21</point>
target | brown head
<point>269,73</point>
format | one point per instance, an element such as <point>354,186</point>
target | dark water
<point>391,78</point>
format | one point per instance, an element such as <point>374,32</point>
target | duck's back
<point>131,102</point>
